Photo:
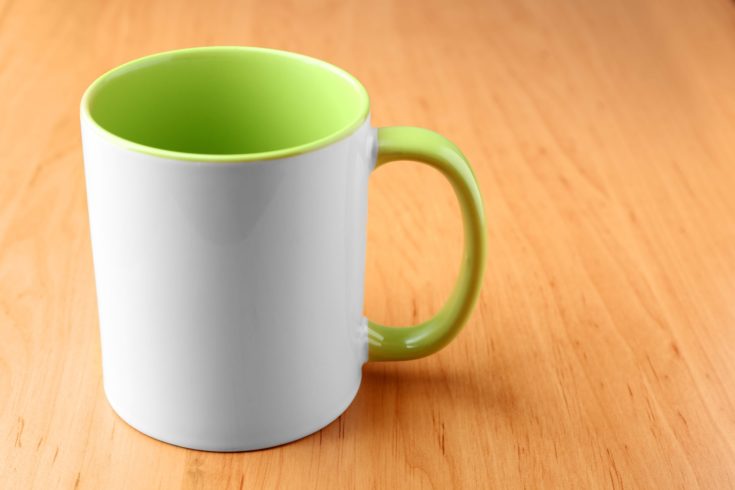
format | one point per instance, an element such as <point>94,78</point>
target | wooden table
<point>602,352</point>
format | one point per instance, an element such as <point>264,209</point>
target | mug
<point>227,195</point>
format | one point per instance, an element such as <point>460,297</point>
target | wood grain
<point>602,352</point>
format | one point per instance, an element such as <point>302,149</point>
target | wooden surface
<point>602,352</point>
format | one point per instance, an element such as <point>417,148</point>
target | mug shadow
<point>396,398</point>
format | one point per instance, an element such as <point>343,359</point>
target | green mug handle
<point>422,145</point>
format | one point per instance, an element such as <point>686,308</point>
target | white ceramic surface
<point>230,294</point>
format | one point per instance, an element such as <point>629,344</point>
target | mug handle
<point>422,145</point>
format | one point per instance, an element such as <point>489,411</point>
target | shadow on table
<point>416,397</point>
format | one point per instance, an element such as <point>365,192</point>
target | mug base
<point>245,446</point>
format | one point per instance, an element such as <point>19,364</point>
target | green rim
<point>344,131</point>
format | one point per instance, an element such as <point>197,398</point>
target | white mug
<point>227,193</point>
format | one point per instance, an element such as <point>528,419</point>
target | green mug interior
<point>226,104</point>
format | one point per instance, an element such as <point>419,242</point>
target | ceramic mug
<point>227,193</point>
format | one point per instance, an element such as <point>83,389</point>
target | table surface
<point>602,350</point>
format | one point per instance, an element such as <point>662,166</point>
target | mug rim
<point>346,130</point>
